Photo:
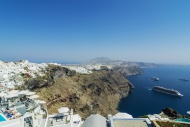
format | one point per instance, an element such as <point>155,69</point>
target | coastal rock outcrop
<point>171,113</point>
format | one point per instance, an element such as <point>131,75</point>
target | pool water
<point>183,120</point>
<point>2,118</point>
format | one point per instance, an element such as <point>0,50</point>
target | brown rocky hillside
<point>98,92</point>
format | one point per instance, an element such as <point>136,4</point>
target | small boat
<point>183,79</point>
<point>155,78</point>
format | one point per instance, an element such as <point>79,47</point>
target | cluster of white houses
<point>10,72</point>
<point>86,69</point>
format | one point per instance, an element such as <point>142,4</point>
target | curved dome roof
<point>95,121</point>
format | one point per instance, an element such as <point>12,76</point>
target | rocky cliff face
<point>130,70</point>
<point>53,72</point>
<point>98,92</point>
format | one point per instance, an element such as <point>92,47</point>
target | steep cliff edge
<point>127,71</point>
<point>98,92</point>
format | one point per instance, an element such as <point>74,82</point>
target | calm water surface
<point>145,101</point>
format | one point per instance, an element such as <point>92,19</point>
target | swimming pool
<point>182,120</point>
<point>2,118</point>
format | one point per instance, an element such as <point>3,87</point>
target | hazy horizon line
<point>83,62</point>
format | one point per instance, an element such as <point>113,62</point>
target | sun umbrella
<point>31,93</point>
<point>10,95</point>
<point>56,115</point>
<point>63,109</point>
<point>122,115</point>
<point>17,114</point>
<point>2,94</point>
<point>13,91</point>
<point>33,97</point>
<point>10,86</point>
<point>23,92</point>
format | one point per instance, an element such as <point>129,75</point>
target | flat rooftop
<point>130,123</point>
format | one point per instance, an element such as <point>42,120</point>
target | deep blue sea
<point>144,101</point>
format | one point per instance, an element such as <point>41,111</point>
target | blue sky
<point>79,30</point>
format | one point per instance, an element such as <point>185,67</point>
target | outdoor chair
<point>9,115</point>
<point>5,113</point>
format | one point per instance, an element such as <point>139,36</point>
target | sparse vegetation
<point>171,124</point>
<point>98,92</point>
<point>145,116</point>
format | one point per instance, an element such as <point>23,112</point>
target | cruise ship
<point>167,91</point>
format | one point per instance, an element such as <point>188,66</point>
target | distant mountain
<point>108,61</point>
<point>103,60</point>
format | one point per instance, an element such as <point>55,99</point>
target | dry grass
<point>98,92</point>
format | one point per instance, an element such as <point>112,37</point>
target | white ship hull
<point>164,90</point>
<point>179,95</point>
